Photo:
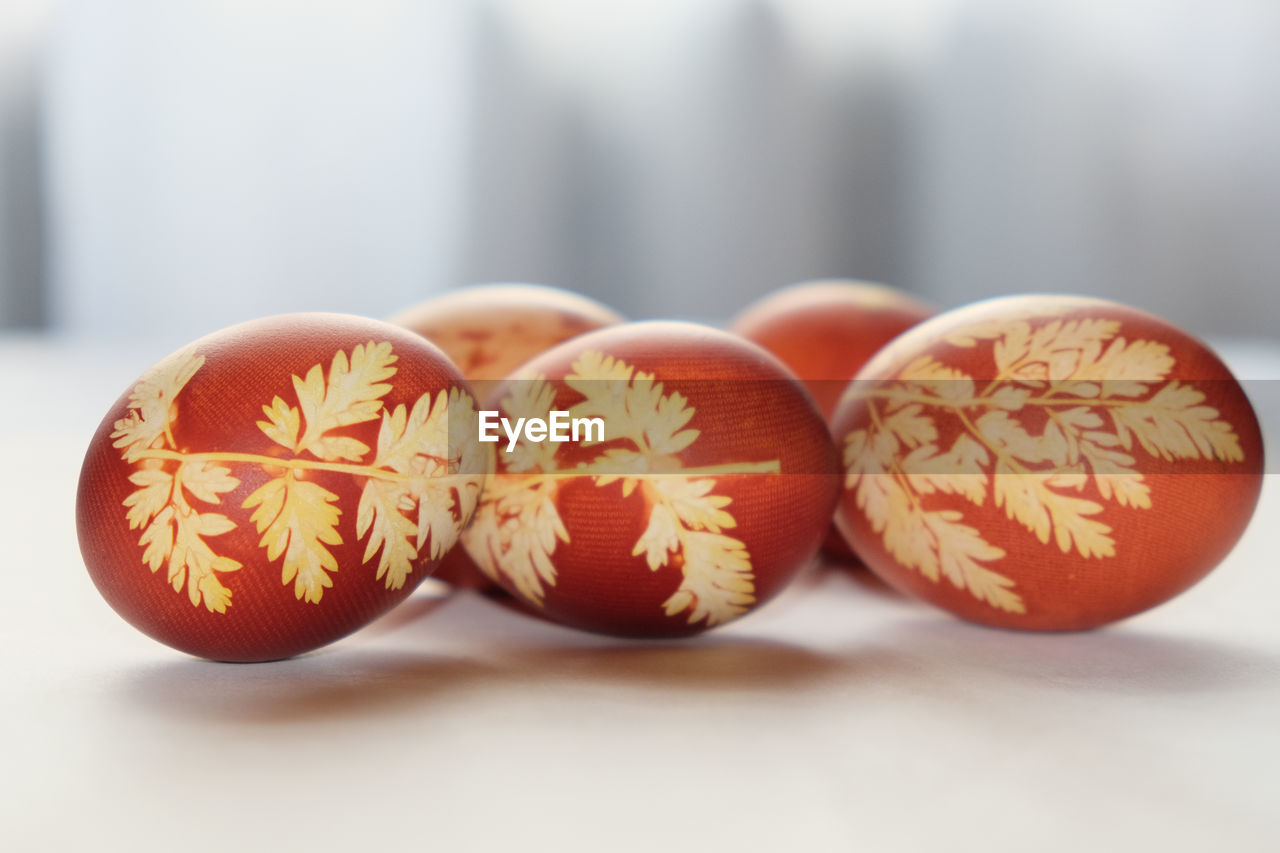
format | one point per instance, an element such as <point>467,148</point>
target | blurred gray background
<point>169,168</point>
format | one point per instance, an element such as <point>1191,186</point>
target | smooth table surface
<point>839,717</point>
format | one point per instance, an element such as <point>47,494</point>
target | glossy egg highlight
<point>278,484</point>
<point>706,489</point>
<point>1046,462</point>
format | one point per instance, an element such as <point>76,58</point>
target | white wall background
<point>210,161</point>
<point>213,162</point>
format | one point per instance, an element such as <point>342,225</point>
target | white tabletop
<point>838,717</point>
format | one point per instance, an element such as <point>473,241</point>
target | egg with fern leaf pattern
<point>701,483</point>
<point>278,484</point>
<point>1046,462</point>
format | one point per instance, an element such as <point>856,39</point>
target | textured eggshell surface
<point>1045,462</point>
<point>489,330</point>
<point>276,485</point>
<point>712,487</point>
<point>826,330</point>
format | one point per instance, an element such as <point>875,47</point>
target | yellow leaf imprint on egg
<point>1093,394</point>
<point>418,488</point>
<point>517,525</point>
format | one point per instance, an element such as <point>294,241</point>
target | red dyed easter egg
<point>1046,462</point>
<point>825,331</point>
<point>707,486</point>
<point>278,484</point>
<point>491,329</point>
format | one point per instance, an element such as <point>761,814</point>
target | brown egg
<point>489,330</point>
<point>278,484</point>
<point>701,482</point>
<point>826,331</point>
<point>1046,462</point>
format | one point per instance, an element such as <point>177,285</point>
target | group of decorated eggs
<point>1034,462</point>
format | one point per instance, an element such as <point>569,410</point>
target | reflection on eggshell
<point>708,486</point>
<point>1046,462</point>
<point>278,484</point>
